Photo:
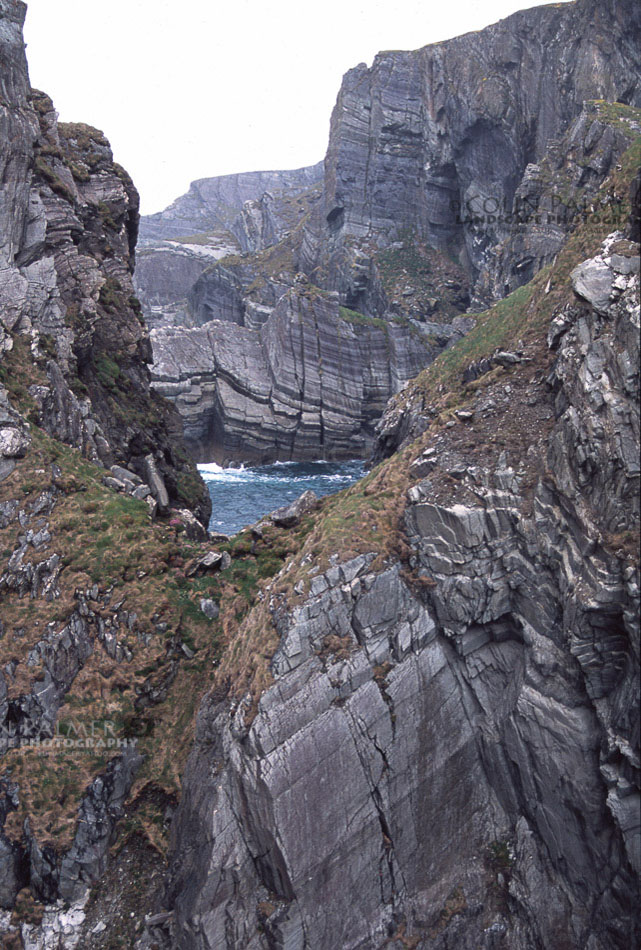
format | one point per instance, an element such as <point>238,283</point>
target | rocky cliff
<point>215,204</point>
<point>311,382</point>
<point>402,717</point>
<point>426,732</point>
<point>217,217</point>
<point>436,142</point>
<point>89,457</point>
<point>453,174</point>
<point>71,325</point>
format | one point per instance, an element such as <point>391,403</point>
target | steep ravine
<point>404,717</point>
<point>97,496</point>
<point>452,175</point>
<point>443,750</point>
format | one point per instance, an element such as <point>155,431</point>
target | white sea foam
<point>243,495</point>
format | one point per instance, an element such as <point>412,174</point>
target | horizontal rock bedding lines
<point>433,156</point>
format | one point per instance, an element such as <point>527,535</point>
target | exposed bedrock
<point>453,174</point>
<point>213,204</point>
<point>306,384</point>
<point>436,141</point>
<point>68,228</point>
<point>218,218</point>
<point>448,754</point>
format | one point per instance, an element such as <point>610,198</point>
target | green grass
<point>107,371</point>
<point>615,112</point>
<point>498,327</point>
<point>360,319</point>
<point>111,294</point>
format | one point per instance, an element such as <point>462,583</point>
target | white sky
<point>189,89</point>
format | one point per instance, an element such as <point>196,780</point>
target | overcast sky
<point>188,89</point>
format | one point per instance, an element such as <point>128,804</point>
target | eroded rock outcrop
<point>310,383</point>
<point>69,225</point>
<point>78,423</point>
<point>448,752</point>
<point>437,141</point>
<point>453,175</point>
<point>218,217</point>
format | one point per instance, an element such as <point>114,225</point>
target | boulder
<point>125,475</point>
<point>156,483</point>
<point>593,281</point>
<point>210,609</point>
<point>208,564</point>
<point>194,530</point>
<point>290,515</point>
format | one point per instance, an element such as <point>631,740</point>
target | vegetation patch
<point>360,319</point>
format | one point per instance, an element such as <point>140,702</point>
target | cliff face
<point>310,382</point>
<point>443,751</point>
<point>417,722</point>
<point>453,174</point>
<point>214,204</point>
<point>436,141</point>
<point>69,230</point>
<point>85,602</point>
<point>231,214</point>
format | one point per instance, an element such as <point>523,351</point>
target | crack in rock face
<point>473,740</point>
<point>424,735</point>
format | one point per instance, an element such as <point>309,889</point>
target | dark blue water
<point>241,496</point>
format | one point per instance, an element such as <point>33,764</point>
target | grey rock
<point>475,735</point>
<point>214,203</point>
<point>13,870</point>
<point>125,475</point>
<point>209,563</point>
<point>13,442</point>
<point>101,809</point>
<point>593,280</point>
<point>66,259</point>
<point>194,530</point>
<point>115,483</point>
<point>152,504</point>
<point>474,165</point>
<point>156,483</point>
<point>624,265</point>
<point>210,609</point>
<point>290,515</point>
<point>308,384</point>
<point>217,538</point>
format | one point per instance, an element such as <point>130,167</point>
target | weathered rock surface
<point>218,217</point>
<point>69,224</point>
<point>438,140</point>
<point>308,384</point>
<point>463,770</point>
<point>290,515</point>
<point>214,204</point>
<point>77,419</point>
<point>556,193</point>
<point>453,174</point>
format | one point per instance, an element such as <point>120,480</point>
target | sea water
<point>241,496</point>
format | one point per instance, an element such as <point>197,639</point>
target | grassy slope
<point>107,539</point>
<point>367,517</point>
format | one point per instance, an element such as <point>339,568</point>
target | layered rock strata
<point>214,204</point>
<point>437,141</point>
<point>448,755</point>
<point>309,383</point>
<point>69,229</point>
<point>232,214</point>
<point>453,174</point>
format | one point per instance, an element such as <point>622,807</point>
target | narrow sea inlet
<point>241,496</point>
